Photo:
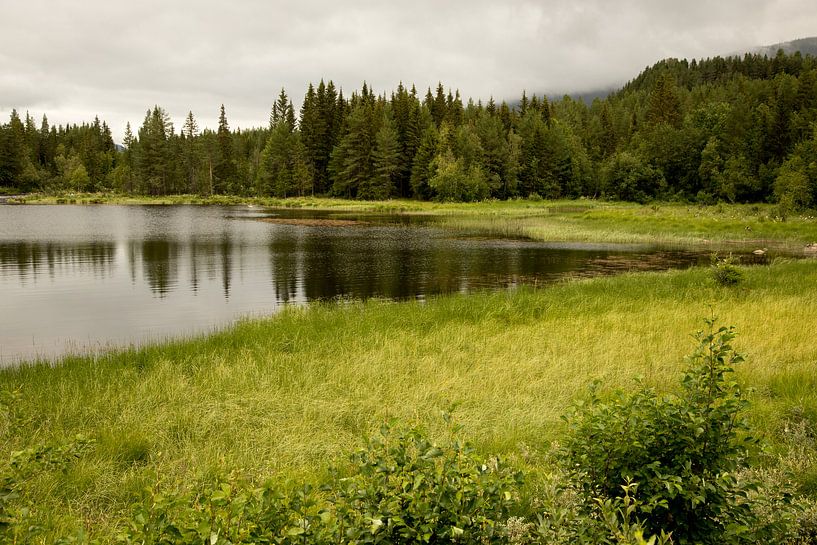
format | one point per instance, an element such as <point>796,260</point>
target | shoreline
<point>718,227</point>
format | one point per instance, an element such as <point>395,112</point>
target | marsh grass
<point>718,227</point>
<point>281,397</point>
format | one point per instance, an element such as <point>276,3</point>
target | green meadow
<point>283,397</point>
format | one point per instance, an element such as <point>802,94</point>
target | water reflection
<point>92,276</point>
<point>29,260</point>
<point>306,264</point>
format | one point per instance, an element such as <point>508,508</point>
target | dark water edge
<point>83,278</point>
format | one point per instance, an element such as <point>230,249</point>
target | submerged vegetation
<point>216,437</point>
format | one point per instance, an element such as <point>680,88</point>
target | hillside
<point>806,46</point>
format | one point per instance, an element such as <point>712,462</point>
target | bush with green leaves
<point>232,512</point>
<point>401,488</point>
<point>682,450</point>
<point>406,489</point>
<point>724,271</point>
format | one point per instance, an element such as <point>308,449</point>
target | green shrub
<point>407,489</point>
<point>400,489</point>
<point>681,450</point>
<point>724,271</point>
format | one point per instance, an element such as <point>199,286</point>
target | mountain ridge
<point>806,46</point>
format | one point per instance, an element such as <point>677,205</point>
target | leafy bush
<point>682,450</point>
<point>406,489</point>
<point>400,489</point>
<point>724,271</point>
<point>628,177</point>
<point>229,513</point>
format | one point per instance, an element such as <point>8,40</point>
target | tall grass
<point>280,397</point>
<point>719,226</point>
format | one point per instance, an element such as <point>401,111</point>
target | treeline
<point>737,129</point>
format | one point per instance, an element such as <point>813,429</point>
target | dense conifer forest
<point>736,129</point>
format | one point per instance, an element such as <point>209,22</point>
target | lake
<point>81,278</point>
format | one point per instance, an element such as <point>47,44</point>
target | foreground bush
<point>400,489</point>
<point>683,450</point>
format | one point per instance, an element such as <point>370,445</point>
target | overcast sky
<point>75,59</point>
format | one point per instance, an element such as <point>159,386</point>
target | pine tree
<point>224,171</point>
<point>312,128</point>
<point>282,111</point>
<point>46,147</point>
<point>494,148</point>
<point>386,162</point>
<point>351,162</point>
<point>285,169</point>
<point>153,153</point>
<point>190,129</point>
<point>421,171</point>
<point>406,111</point>
<point>191,158</point>
<point>607,136</point>
<point>438,106</point>
<point>664,104</point>
<point>10,165</point>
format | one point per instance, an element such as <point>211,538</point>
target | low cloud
<point>118,59</point>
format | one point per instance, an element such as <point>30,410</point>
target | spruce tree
<point>351,162</point>
<point>224,171</point>
<point>664,104</point>
<point>153,154</point>
<point>191,158</point>
<point>421,171</point>
<point>386,162</point>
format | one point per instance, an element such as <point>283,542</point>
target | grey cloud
<point>117,59</point>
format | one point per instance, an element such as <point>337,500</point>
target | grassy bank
<point>283,396</point>
<point>719,227</point>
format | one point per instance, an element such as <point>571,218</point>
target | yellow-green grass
<point>719,227</point>
<point>282,397</point>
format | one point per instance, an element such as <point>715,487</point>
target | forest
<point>735,129</point>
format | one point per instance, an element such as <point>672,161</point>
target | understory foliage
<point>637,468</point>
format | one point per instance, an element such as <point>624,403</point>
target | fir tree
<point>224,171</point>
<point>386,162</point>
<point>664,104</point>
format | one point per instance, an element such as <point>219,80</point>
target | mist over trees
<point>737,129</point>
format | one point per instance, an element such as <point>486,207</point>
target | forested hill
<point>722,129</point>
<point>806,46</point>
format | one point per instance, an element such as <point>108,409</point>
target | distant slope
<point>806,46</point>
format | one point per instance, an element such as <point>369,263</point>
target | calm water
<point>83,277</point>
